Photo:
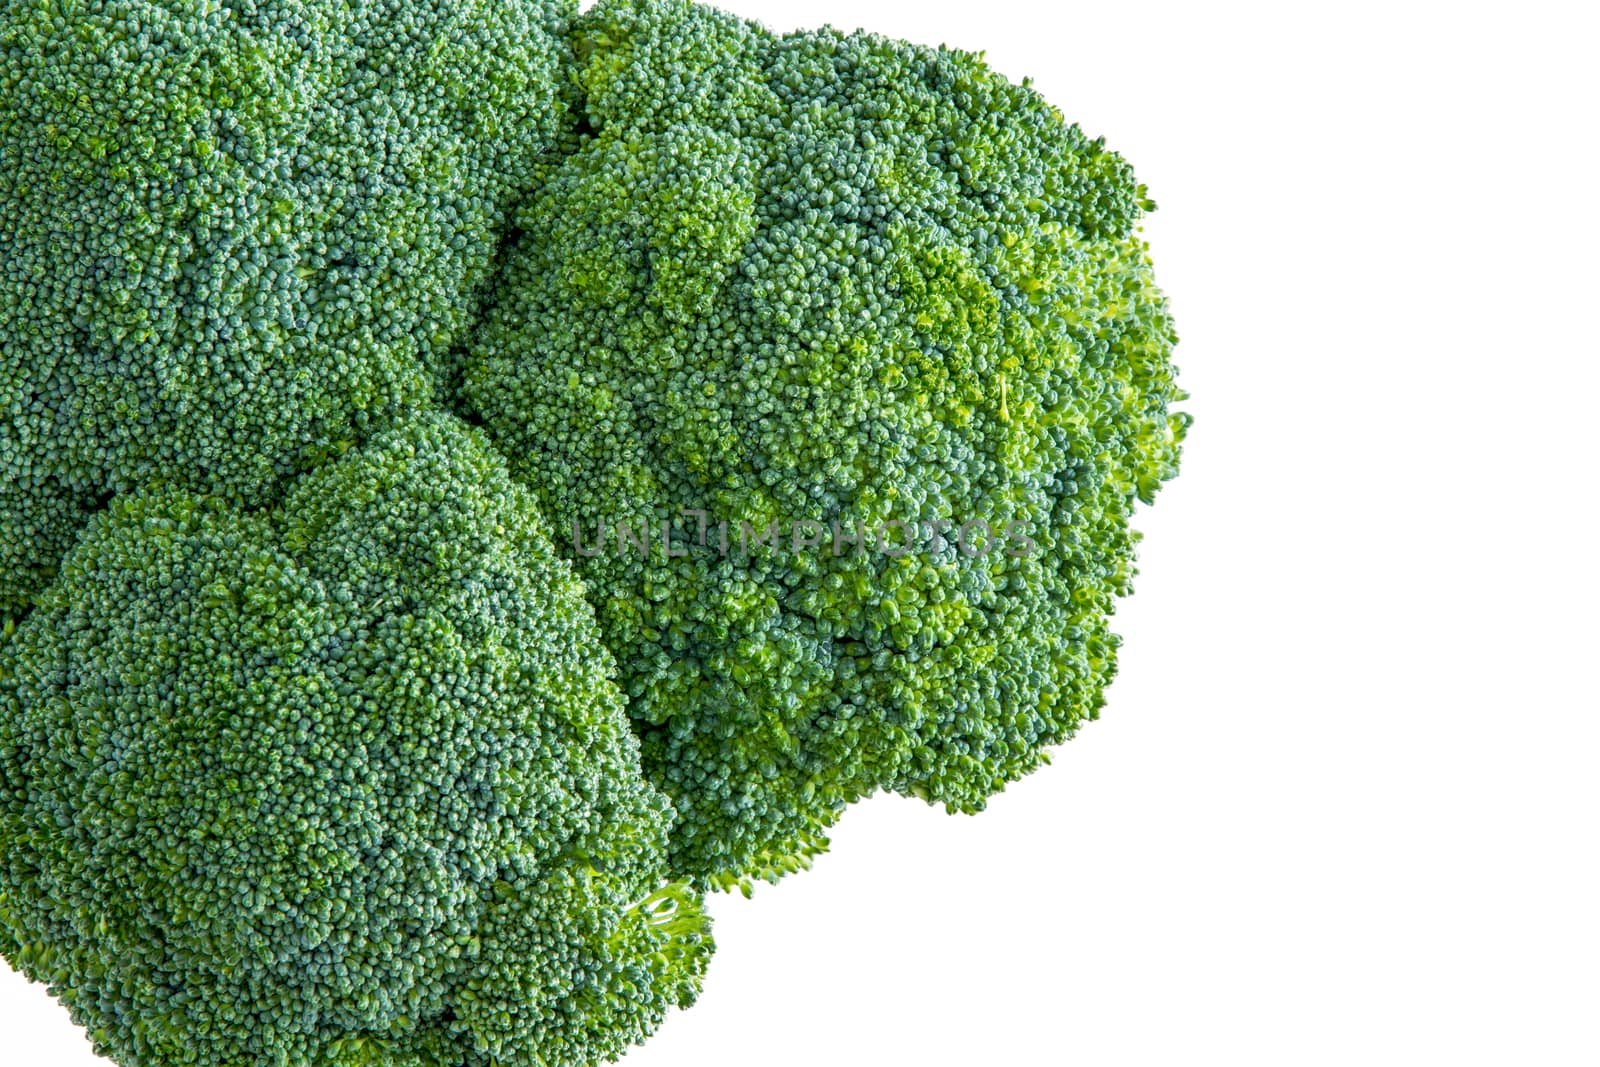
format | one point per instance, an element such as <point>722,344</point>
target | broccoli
<point>861,283</point>
<point>234,236</point>
<point>341,782</point>
<point>343,349</point>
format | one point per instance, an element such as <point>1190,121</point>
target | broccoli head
<point>345,781</point>
<point>236,236</point>
<point>474,476</point>
<point>867,288</point>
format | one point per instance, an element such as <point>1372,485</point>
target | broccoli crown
<point>340,782</point>
<point>842,280</point>
<point>834,363</point>
<point>234,235</point>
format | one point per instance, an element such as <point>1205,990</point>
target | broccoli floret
<point>832,279</point>
<point>344,781</point>
<point>236,236</point>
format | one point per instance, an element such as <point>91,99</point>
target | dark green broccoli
<point>342,782</point>
<point>236,236</point>
<point>843,281</point>
<point>818,377</point>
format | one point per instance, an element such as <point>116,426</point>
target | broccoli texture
<point>339,783</point>
<point>232,235</point>
<point>852,281</point>
<point>343,343</point>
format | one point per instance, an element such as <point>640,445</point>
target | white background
<point>1341,808</point>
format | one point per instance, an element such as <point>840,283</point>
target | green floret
<point>236,236</point>
<point>346,781</point>
<point>843,280</point>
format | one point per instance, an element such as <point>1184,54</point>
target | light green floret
<point>343,782</point>
<point>833,279</point>
<point>235,236</point>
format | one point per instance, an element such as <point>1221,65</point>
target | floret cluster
<point>327,327</point>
